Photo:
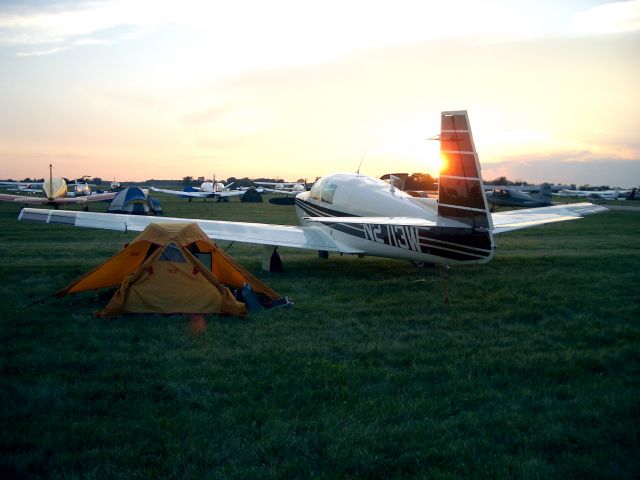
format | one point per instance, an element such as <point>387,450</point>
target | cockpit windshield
<point>323,190</point>
<point>329,191</point>
<point>316,190</point>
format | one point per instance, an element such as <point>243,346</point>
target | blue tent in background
<point>134,201</point>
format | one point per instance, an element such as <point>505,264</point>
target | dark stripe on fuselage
<point>328,212</point>
<point>455,244</point>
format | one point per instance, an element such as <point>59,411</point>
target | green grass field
<point>531,371</point>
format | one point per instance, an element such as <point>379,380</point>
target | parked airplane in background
<point>600,194</point>
<point>356,214</point>
<point>214,186</point>
<point>57,193</point>
<point>206,190</point>
<point>31,187</point>
<point>80,187</point>
<point>511,197</point>
<point>286,188</point>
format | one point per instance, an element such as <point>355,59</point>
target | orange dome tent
<point>173,268</point>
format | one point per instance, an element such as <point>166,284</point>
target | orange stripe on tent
<point>111,272</point>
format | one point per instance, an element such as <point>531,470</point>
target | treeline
<point>420,181</point>
<point>506,182</point>
<point>237,182</point>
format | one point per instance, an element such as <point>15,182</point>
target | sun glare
<point>406,148</point>
<point>443,163</point>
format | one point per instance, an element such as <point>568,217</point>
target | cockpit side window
<point>328,192</point>
<point>316,190</point>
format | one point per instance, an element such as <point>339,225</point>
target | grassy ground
<point>531,371</point>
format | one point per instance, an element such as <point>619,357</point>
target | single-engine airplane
<point>30,187</point>
<point>511,197</point>
<point>355,214</point>
<point>206,190</point>
<point>595,194</point>
<point>57,193</point>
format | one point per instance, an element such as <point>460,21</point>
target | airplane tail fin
<point>545,193</point>
<point>461,192</point>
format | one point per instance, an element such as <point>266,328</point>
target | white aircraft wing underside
<point>530,217</point>
<point>312,238</point>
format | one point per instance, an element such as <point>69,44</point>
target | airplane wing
<point>282,191</point>
<point>229,193</point>
<point>5,197</point>
<point>196,194</point>
<point>98,197</point>
<point>311,238</point>
<point>530,217</point>
<point>94,197</point>
<point>199,193</point>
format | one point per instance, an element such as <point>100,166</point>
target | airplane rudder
<point>461,191</point>
<point>545,192</point>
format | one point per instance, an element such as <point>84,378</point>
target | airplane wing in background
<point>311,238</point>
<point>56,201</point>
<point>199,193</point>
<point>94,197</point>
<point>195,194</point>
<point>5,197</point>
<point>530,217</point>
<point>282,191</point>
<point>229,193</point>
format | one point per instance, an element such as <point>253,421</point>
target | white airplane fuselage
<point>354,195</point>
<point>213,187</point>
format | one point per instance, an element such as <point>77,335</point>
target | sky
<point>140,89</point>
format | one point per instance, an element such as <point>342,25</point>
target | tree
<point>420,181</point>
<point>186,181</point>
<point>499,181</point>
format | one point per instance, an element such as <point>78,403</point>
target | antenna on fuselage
<point>392,181</point>
<point>364,154</point>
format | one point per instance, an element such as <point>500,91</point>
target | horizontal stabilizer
<point>412,221</point>
<point>530,217</point>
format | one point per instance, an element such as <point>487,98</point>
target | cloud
<point>285,32</point>
<point>72,24</point>
<point>614,17</point>
<point>578,167</point>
